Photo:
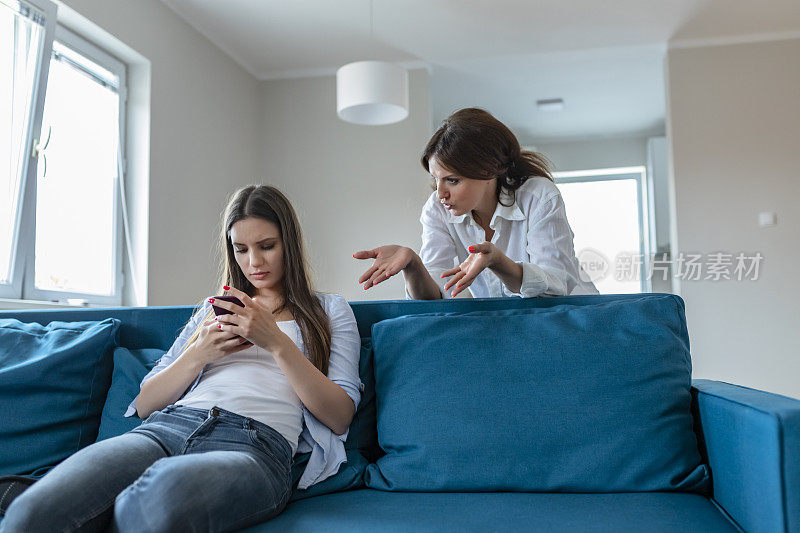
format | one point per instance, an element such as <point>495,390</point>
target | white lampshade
<point>372,93</point>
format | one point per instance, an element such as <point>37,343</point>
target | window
<point>69,241</point>
<point>607,211</point>
<point>26,34</point>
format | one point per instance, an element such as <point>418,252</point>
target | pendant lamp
<point>372,92</point>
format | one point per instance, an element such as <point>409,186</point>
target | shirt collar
<point>508,212</point>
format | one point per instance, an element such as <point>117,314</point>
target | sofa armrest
<point>752,442</point>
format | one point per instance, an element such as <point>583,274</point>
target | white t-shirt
<point>250,383</point>
<point>533,232</point>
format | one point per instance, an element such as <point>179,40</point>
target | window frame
<point>19,230</point>
<point>638,173</point>
<point>26,244</point>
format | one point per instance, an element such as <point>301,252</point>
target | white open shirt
<point>533,232</point>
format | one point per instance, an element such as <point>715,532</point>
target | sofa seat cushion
<point>371,510</point>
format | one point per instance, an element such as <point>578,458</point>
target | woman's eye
<point>452,181</point>
<point>270,247</point>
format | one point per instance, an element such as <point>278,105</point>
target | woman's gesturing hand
<point>253,322</point>
<point>389,260</point>
<point>481,256</point>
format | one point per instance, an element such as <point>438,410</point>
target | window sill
<point>10,304</point>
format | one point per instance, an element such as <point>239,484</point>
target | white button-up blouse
<point>533,232</point>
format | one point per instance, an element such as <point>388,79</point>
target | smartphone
<point>219,310</point>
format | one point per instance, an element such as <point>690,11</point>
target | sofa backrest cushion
<point>362,434</point>
<point>130,368</point>
<point>592,398</point>
<point>53,383</point>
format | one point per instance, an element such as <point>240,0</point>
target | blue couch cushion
<point>591,398</point>
<point>372,510</point>
<point>53,383</point>
<point>363,433</point>
<point>130,367</point>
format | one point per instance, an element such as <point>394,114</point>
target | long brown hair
<point>474,144</point>
<point>268,203</point>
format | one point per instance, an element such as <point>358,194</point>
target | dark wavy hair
<point>268,203</point>
<point>475,145</point>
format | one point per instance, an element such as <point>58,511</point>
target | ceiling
<point>604,58</point>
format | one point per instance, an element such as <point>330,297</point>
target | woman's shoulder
<point>535,191</point>
<point>537,186</point>
<point>332,302</point>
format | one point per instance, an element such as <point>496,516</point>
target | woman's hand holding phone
<point>213,344</point>
<point>252,321</point>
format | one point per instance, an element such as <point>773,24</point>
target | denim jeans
<point>183,469</point>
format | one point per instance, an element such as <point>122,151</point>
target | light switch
<point>767,219</point>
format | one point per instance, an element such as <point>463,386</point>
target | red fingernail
<point>471,249</point>
<point>225,287</point>
<point>211,300</point>
<point>387,275</point>
<point>220,326</point>
<point>365,288</point>
<point>354,256</point>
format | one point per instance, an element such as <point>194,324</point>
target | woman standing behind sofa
<point>496,211</point>
<point>229,403</point>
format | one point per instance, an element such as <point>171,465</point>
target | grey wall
<point>354,187</point>
<point>734,129</point>
<point>204,133</point>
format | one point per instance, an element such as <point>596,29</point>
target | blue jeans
<point>183,469</point>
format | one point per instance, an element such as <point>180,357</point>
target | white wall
<point>204,132</point>
<point>596,153</point>
<point>734,130</point>
<point>354,187</point>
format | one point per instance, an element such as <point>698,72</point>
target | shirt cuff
<point>131,409</point>
<point>534,281</point>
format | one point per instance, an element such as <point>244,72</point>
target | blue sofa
<point>741,463</point>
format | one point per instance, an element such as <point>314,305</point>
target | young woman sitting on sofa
<point>496,208</point>
<point>229,403</point>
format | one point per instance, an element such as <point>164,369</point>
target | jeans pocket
<point>263,444</point>
<point>156,414</point>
